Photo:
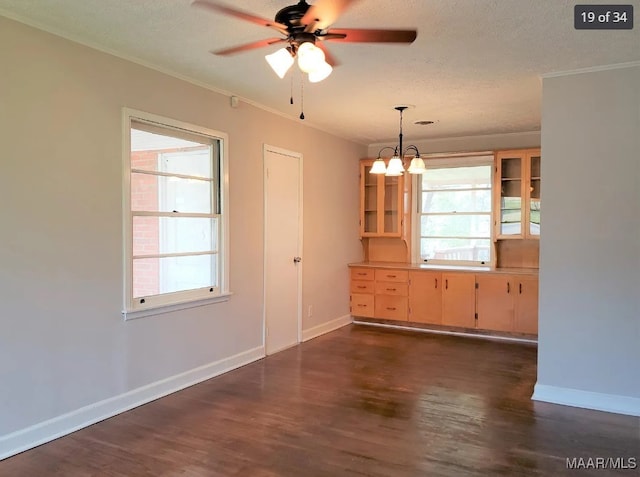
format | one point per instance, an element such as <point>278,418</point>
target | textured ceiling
<point>474,67</point>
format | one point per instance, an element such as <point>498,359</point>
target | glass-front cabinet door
<point>510,173</point>
<point>518,191</point>
<point>381,204</point>
<point>369,202</point>
<point>534,194</point>
<point>392,209</point>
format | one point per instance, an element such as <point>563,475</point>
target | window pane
<point>169,194</point>
<point>152,276</point>
<point>164,153</point>
<point>158,235</point>
<point>455,225</point>
<point>455,249</point>
<point>471,177</point>
<point>457,201</point>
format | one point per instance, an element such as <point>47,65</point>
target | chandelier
<point>396,165</point>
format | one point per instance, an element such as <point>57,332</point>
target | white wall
<point>589,341</point>
<point>64,347</point>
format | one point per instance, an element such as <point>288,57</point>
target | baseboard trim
<point>27,438</point>
<point>326,327</point>
<point>586,399</point>
<point>446,332</point>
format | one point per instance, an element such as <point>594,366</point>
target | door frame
<point>277,150</point>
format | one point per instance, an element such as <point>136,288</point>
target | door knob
<point>297,259</point>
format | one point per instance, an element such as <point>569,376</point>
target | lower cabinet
<point>442,298</point>
<point>488,301</point>
<point>391,294</point>
<point>459,299</point>
<point>362,290</point>
<point>425,297</point>
<point>495,302</point>
<point>507,303</point>
<point>526,312</point>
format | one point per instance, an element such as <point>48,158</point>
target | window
<point>454,211</point>
<point>175,220</point>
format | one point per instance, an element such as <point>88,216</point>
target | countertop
<point>446,268</point>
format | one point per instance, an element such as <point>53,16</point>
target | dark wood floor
<point>361,401</point>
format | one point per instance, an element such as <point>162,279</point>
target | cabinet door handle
<point>391,276</point>
<point>436,283</point>
<point>391,308</point>
<point>362,306</point>
<point>446,284</point>
<point>362,274</point>
<point>520,288</point>
<point>361,286</point>
<point>391,289</point>
<point>508,287</point>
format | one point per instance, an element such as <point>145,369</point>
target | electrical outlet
<point>310,311</point>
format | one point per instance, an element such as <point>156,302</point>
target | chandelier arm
<point>387,147</point>
<point>411,147</point>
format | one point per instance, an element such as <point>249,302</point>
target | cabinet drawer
<point>392,275</point>
<point>391,307</point>
<point>392,288</point>
<point>361,286</point>
<point>362,273</point>
<point>362,305</point>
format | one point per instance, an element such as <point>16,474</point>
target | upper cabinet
<point>517,186</point>
<point>381,203</point>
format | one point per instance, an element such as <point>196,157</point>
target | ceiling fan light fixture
<point>310,57</point>
<point>395,167</point>
<point>320,73</point>
<point>378,167</point>
<point>417,166</point>
<point>280,61</point>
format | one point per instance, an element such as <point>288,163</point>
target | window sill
<point>128,315</point>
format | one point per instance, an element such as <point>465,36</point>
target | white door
<point>282,248</point>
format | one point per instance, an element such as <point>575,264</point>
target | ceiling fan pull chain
<point>291,97</point>
<point>301,97</point>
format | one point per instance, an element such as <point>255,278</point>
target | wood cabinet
<point>391,294</point>
<point>425,297</point>
<point>526,309</point>
<point>362,292</point>
<point>495,302</point>
<point>489,301</point>
<point>507,303</point>
<point>459,299</point>
<point>517,196</point>
<point>381,203</point>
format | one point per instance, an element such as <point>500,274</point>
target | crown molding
<point>591,69</point>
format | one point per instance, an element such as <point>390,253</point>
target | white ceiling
<point>474,67</point>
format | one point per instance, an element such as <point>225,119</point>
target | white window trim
<point>170,302</point>
<point>444,159</point>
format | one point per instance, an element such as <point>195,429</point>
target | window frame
<point>440,160</point>
<point>173,301</point>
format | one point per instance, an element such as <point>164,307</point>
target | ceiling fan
<point>305,27</point>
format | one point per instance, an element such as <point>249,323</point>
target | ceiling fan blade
<point>217,7</point>
<point>328,57</point>
<point>248,46</point>
<point>330,36</point>
<point>323,13</point>
<point>354,35</point>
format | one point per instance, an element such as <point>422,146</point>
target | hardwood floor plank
<point>360,401</point>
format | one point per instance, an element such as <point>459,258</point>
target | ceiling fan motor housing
<point>291,16</point>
